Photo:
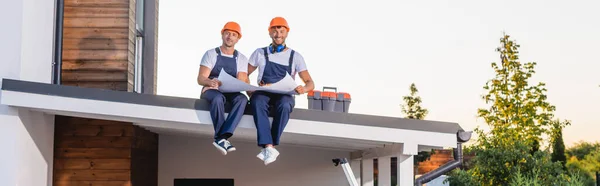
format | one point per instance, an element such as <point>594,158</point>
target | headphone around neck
<point>278,48</point>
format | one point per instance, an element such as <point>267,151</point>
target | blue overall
<point>261,103</point>
<point>224,127</point>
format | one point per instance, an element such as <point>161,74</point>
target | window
<point>139,46</point>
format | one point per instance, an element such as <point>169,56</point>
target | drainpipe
<point>457,162</point>
<point>58,42</point>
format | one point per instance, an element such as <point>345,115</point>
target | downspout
<point>58,43</point>
<point>457,162</point>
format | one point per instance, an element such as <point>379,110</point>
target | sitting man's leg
<point>284,107</point>
<point>260,103</point>
<point>238,102</point>
<point>217,114</point>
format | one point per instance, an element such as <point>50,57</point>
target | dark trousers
<point>261,103</point>
<point>224,127</point>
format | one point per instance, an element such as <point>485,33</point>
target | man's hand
<point>214,83</point>
<point>300,90</point>
<point>261,84</point>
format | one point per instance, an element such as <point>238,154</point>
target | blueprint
<point>232,84</point>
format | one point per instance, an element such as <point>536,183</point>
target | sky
<point>375,49</point>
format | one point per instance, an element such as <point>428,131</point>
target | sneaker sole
<point>231,149</point>
<point>269,161</point>
<point>224,152</point>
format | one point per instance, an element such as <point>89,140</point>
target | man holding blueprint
<point>276,64</point>
<point>224,59</point>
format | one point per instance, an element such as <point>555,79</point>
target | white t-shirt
<point>283,58</point>
<point>210,59</point>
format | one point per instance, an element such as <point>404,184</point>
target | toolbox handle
<point>330,88</point>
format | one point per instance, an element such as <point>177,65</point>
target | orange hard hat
<point>233,26</point>
<point>279,21</point>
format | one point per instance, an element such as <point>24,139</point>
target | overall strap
<point>218,51</point>
<point>266,54</point>
<point>291,62</point>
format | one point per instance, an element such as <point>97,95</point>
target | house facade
<point>78,106</point>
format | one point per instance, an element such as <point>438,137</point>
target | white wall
<point>186,157</point>
<point>26,49</point>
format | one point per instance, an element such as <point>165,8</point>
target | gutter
<point>462,137</point>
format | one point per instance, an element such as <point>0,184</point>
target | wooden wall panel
<point>93,183</point>
<point>95,33</point>
<point>89,150</point>
<point>98,52</point>
<point>97,3</point>
<point>108,12</point>
<point>144,163</point>
<point>99,164</point>
<point>102,22</point>
<point>91,65</point>
<point>119,86</point>
<point>88,76</point>
<point>93,175</point>
<point>96,44</point>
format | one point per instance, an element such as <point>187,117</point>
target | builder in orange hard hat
<point>273,63</point>
<point>234,63</point>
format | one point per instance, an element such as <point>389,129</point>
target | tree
<point>518,116</point>
<point>558,145</point>
<point>582,148</point>
<point>412,110</point>
<point>412,105</point>
<point>518,110</point>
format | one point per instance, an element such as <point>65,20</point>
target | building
<point>78,107</point>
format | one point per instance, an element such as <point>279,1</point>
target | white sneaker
<point>270,155</point>
<point>261,155</point>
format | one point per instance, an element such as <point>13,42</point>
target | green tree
<point>412,109</point>
<point>518,117</point>
<point>558,145</point>
<point>412,105</point>
<point>519,111</point>
<point>582,148</point>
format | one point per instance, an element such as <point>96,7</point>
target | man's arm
<point>251,69</point>
<point>309,84</point>
<point>243,76</point>
<point>203,77</point>
<point>254,60</point>
<point>206,65</point>
<point>304,75</point>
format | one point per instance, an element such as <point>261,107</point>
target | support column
<point>356,169</point>
<point>367,172</point>
<point>385,171</point>
<point>405,173</point>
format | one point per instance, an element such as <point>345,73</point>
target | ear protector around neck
<point>278,48</point>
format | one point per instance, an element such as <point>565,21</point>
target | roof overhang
<point>185,116</point>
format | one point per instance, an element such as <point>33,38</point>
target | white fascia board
<point>167,117</point>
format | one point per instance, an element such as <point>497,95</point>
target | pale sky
<point>375,49</point>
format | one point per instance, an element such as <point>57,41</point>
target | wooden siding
<point>98,52</point>
<point>101,152</point>
<point>91,152</point>
<point>96,44</point>
<point>144,165</point>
